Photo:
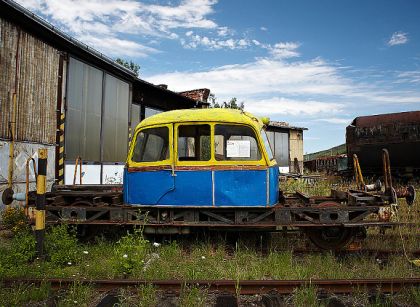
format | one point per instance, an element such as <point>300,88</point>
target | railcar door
<point>149,175</point>
<point>192,164</point>
<point>241,175</point>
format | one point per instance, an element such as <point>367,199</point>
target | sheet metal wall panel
<point>150,112</point>
<point>135,116</point>
<point>240,188</point>
<point>112,174</point>
<point>140,188</point>
<point>270,137</point>
<point>37,85</point>
<point>200,195</point>
<point>91,174</point>
<point>115,119</point>
<point>22,152</point>
<point>281,148</point>
<point>83,117</point>
<point>274,185</point>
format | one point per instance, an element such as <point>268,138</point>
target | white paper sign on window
<point>238,149</point>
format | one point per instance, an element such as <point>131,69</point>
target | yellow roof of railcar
<point>202,115</point>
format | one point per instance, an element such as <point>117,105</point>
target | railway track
<point>243,287</point>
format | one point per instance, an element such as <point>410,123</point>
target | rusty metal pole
<point>41,182</point>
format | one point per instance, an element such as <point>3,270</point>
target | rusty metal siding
<point>38,65</point>
<point>382,119</point>
<point>397,132</point>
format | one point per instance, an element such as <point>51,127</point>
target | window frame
<point>195,162</point>
<point>167,162</point>
<point>258,139</point>
<point>173,148</point>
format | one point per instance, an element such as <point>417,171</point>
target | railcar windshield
<point>152,145</point>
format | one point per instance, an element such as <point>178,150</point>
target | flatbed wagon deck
<point>104,205</point>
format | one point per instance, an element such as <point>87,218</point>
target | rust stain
<point>197,168</point>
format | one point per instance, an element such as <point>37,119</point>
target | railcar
<point>214,169</point>
<point>201,158</point>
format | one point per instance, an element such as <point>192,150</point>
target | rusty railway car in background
<point>366,136</point>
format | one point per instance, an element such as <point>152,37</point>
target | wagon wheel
<point>330,237</point>
<point>81,203</point>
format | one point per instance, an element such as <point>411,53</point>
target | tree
<point>232,104</point>
<point>134,67</point>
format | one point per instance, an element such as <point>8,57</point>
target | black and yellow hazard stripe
<point>60,165</point>
<point>41,187</point>
<point>129,134</point>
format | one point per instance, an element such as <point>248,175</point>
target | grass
<point>209,261</point>
<point>306,296</point>
<point>192,297</point>
<point>23,294</point>
<point>77,295</point>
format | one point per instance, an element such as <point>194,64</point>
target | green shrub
<point>130,252</point>
<point>62,246</point>
<point>23,247</point>
<point>14,219</point>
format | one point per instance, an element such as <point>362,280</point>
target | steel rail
<point>246,287</point>
<point>357,251</point>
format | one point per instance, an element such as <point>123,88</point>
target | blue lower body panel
<point>187,188</point>
<point>220,188</point>
<point>240,188</point>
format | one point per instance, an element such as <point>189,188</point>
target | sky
<point>315,64</point>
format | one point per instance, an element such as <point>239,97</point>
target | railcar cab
<point>201,157</point>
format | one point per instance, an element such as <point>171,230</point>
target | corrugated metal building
<point>57,92</point>
<point>287,145</point>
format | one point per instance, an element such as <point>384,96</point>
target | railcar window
<point>267,145</point>
<point>237,143</point>
<point>194,143</point>
<point>152,145</point>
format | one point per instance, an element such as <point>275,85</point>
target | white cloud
<point>193,41</point>
<point>224,31</point>
<point>263,29</point>
<point>284,106</point>
<point>109,20</point>
<point>398,38</point>
<point>113,46</point>
<point>266,75</point>
<point>278,84</point>
<point>412,76</point>
<point>284,50</point>
<point>335,120</point>
<point>188,14</point>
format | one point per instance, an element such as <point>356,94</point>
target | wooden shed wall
<point>296,148</point>
<point>37,82</point>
